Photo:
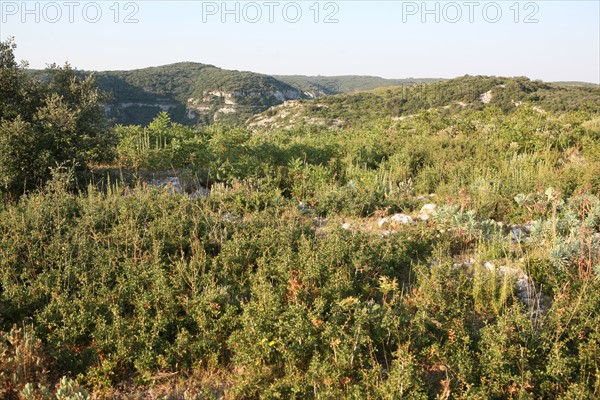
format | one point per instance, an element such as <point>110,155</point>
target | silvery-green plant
<point>452,217</point>
<point>68,389</point>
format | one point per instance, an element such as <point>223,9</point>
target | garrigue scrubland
<point>291,274</point>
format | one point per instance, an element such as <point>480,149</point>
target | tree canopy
<point>47,123</point>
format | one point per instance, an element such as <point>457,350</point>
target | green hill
<point>325,85</point>
<point>576,83</point>
<point>191,93</point>
<point>200,93</point>
<point>194,93</point>
<point>474,92</point>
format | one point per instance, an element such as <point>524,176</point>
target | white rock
<point>489,266</point>
<point>523,291</point>
<point>429,208</point>
<point>510,271</point>
<point>383,221</point>
<point>227,217</point>
<point>465,263</point>
<point>525,288</point>
<point>538,109</point>
<point>426,211</point>
<point>172,183</point>
<point>423,217</point>
<point>434,262</point>
<point>520,233</point>
<point>486,97</point>
<point>346,226</point>
<point>402,219</point>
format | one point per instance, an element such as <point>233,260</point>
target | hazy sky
<point>549,40</point>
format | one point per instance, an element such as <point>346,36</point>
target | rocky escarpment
<point>212,106</point>
<point>216,105</point>
<point>191,93</point>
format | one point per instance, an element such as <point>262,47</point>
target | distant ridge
<point>196,93</point>
<point>399,103</point>
<point>575,83</point>
<point>346,83</point>
<point>201,93</point>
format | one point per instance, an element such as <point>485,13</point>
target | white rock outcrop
<point>383,221</point>
<point>402,219</point>
<point>486,97</point>
<point>397,219</point>
<point>171,182</point>
<point>427,211</point>
<point>525,287</point>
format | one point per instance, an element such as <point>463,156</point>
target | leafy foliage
<point>56,123</point>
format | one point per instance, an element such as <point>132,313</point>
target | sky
<point>548,40</point>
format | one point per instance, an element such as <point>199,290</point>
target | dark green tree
<point>45,123</point>
<point>16,89</point>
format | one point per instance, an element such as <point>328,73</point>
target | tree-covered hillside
<point>138,95</point>
<point>468,92</point>
<point>144,91</point>
<point>195,93</point>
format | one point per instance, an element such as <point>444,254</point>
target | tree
<point>77,122</point>
<point>16,97</point>
<point>55,121</point>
